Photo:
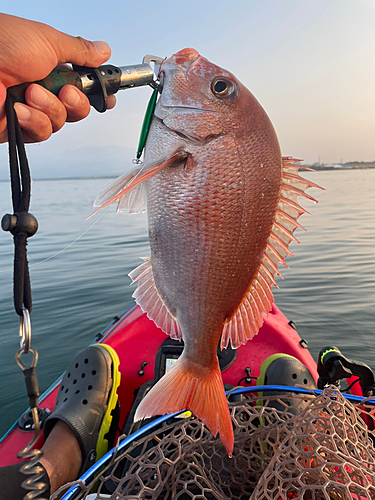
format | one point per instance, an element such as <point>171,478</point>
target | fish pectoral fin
<point>189,386</point>
<point>121,190</point>
<point>128,189</point>
<point>148,298</point>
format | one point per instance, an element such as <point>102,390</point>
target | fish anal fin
<point>148,298</point>
<point>188,385</point>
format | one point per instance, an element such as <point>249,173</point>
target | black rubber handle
<point>104,81</point>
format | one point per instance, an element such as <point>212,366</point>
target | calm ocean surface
<point>329,290</point>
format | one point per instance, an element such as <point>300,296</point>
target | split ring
<point>25,331</point>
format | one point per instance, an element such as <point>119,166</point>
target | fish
<point>222,208</point>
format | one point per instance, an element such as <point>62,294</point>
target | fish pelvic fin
<point>188,385</point>
<point>246,321</point>
<point>148,298</point>
<point>128,189</point>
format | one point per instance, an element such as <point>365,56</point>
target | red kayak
<point>144,351</point>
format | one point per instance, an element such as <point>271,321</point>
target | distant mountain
<point>97,161</point>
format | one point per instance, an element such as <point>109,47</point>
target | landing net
<point>287,446</point>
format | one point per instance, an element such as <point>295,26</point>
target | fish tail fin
<point>190,386</point>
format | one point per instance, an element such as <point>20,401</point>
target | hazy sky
<point>310,63</point>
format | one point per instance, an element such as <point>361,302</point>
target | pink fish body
<point>222,209</point>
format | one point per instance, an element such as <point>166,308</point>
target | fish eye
<point>221,86</point>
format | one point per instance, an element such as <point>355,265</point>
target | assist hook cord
<point>22,225</point>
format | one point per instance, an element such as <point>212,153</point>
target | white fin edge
<point>134,200</point>
<point>149,300</point>
<point>244,324</point>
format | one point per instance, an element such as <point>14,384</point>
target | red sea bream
<point>222,208</point>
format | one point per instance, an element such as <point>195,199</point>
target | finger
<point>35,125</point>
<point>75,102</point>
<point>3,121</point>
<point>42,100</point>
<point>111,101</point>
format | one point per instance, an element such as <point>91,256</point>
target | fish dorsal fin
<point>148,298</point>
<point>244,324</point>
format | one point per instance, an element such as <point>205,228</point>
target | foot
<point>80,429</point>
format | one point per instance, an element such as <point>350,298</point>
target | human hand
<point>32,57</point>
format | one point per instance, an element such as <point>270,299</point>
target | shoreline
<point>314,167</point>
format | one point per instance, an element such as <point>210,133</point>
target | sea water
<point>328,291</point>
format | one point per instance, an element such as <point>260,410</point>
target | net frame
<point>289,443</point>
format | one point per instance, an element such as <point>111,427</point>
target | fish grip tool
<point>99,83</point>
<point>22,225</point>
<point>96,83</point>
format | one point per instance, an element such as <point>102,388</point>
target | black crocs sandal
<point>87,401</point>
<point>283,369</point>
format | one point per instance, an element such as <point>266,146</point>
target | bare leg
<point>62,456</point>
<point>61,461</point>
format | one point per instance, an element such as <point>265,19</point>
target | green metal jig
<point>147,122</point>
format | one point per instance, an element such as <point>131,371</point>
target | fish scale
<point>222,208</point>
<point>192,236</point>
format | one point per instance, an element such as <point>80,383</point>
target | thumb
<point>78,50</point>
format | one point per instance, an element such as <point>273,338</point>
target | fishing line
<point>65,248</point>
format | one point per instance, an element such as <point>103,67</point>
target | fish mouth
<point>185,56</point>
<point>177,92</point>
<point>183,59</point>
<point>183,106</point>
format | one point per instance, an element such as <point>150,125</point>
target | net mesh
<point>286,446</point>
